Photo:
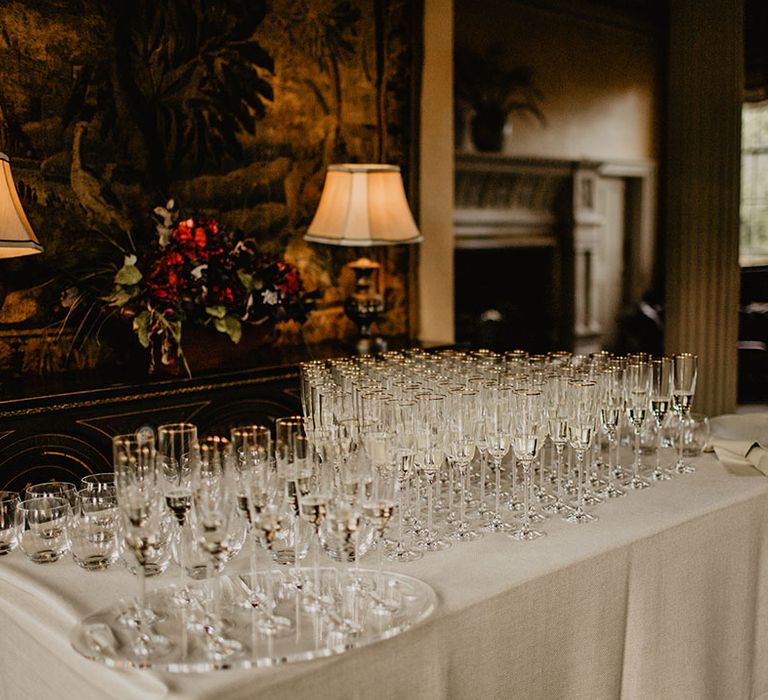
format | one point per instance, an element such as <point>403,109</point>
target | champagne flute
<point>464,409</point>
<point>611,405</point>
<point>252,448</point>
<point>528,431</point>
<point>661,399</point>
<point>685,372</point>
<point>637,385</point>
<point>142,513</point>
<point>313,507</point>
<point>214,508</point>
<point>498,434</point>
<point>177,451</point>
<point>378,509</point>
<point>582,418</point>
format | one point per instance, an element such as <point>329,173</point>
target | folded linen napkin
<point>739,442</point>
<point>739,456</point>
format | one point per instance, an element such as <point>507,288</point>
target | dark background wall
<point>235,108</point>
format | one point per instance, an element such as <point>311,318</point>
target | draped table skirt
<point>665,596</point>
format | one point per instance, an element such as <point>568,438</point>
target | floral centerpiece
<point>196,271</point>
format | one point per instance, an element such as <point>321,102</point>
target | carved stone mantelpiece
<point>508,203</point>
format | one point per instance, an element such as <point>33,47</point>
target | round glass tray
<point>243,630</point>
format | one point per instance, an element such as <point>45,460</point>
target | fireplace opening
<point>505,298</point>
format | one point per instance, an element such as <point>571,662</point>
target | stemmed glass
<point>378,509</point>
<point>528,432</point>
<point>177,451</point>
<point>252,450</point>
<point>661,398</point>
<point>313,506</point>
<point>556,387</point>
<point>430,442</point>
<point>582,418</point>
<point>498,433</point>
<point>142,512</point>
<point>685,371</point>
<point>214,509</point>
<point>403,416</point>
<point>462,420</point>
<point>611,405</point>
<point>291,454</point>
<point>637,385</point>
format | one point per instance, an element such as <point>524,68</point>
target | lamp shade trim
<point>363,205</point>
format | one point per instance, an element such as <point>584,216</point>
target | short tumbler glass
<point>44,528</point>
<point>10,521</point>
<point>94,532</point>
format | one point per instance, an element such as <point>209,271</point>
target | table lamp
<point>364,205</point>
<point>16,235</point>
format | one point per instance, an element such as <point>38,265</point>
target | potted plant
<point>489,94</point>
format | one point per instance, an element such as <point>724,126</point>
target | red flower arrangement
<point>196,271</point>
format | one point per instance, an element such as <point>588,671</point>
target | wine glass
<point>313,506</point>
<point>142,513</point>
<point>292,450</point>
<point>430,445</point>
<point>177,452</point>
<point>582,417</point>
<point>637,386</point>
<point>403,415</point>
<point>10,521</point>
<point>378,509</point>
<point>498,433</point>
<point>661,399</point>
<point>462,420</point>
<point>528,432</point>
<point>685,371</point>
<point>212,525</point>
<point>611,408</point>
<point>252,450</point>
<point>556,388</point>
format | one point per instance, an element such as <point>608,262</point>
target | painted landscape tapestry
<point>233,108</point>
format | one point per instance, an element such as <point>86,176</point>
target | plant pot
<point>487,128</point>
<point>205,349</point>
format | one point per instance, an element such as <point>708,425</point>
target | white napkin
<point>739,442</point>
<point>740,456</point>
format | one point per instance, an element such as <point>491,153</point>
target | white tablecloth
<point>666,596</point>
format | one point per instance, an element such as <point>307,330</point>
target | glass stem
<point>316,562</point>
<point>527,485</point>
<point>636,464</point>
<point>680,437</point>
<point>462,485</point>
<point>141,596</point>
<point>430,505</point>
<point>580,477</point>
<point>559,470</point>
<point>483,460</point>
<point>658,445</point>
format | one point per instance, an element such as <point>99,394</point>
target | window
<point>753,248</point>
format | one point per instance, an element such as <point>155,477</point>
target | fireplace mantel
<point>503,202</point>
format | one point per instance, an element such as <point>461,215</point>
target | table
<point>666,596</point>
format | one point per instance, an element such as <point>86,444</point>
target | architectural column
<point>702,193</point>
<point>436,302</point>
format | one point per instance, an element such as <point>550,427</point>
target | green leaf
<point>246,280</point>
<point>128,275</point>
<point>141,328</point>
<point>216,311</point>
<point>231,326</point>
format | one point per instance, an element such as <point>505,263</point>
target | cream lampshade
<point>364,205</point>
<point>16,235</point>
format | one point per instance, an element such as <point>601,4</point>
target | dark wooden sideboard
<point>64,432</point>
